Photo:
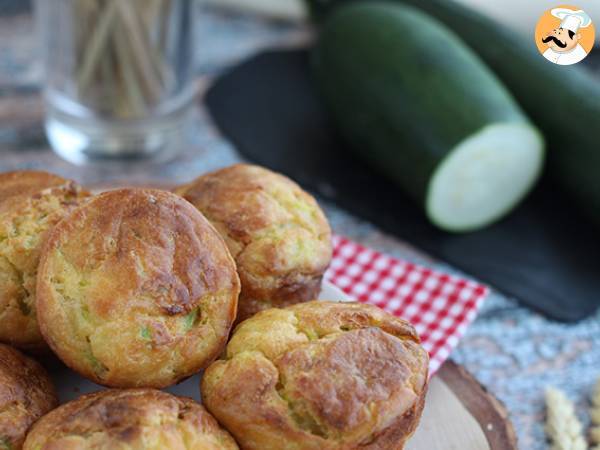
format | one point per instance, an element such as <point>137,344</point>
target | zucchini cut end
<point>485,176</point>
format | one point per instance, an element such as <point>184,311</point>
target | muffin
<point>320,375</point>
<point>31,203</point>
<point>26,394</point>
<point>278,235</point>
<point>136,289</point>
<point>132,419</point>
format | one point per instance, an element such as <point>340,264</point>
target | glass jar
<point>119,76</point>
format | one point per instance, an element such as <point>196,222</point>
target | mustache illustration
<point>556,41</point>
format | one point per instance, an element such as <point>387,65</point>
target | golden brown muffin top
<point>26,183</point>
<point>276,231</point>
<point>136,419</point>
<point>31,203</point>
<point>136,289</point>
<point>319,375</point>
<point>26,394</point>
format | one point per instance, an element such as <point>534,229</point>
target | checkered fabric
<point>440,306</point>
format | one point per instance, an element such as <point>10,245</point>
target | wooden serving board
<point>459,413</point>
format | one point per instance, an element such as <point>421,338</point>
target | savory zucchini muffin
<point>133,419</point>
<point>26,394</point>
<point>31,203</point>
<point>136,289</point>
<point>278,235</point>
<point>320,376</point>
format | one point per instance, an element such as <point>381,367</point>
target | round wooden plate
<point>464,416</point>
<point>460,414</point>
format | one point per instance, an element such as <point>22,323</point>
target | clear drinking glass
<point>118,76</point>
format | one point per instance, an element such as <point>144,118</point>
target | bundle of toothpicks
<point>563,427</point>
<point>121,67</point>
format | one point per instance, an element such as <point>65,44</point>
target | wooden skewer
<point>124,51</point>
<point>131,87</point>
<point>97,44</point>
<point>140,50</point>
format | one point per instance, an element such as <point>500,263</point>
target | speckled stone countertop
<point>514,352</point>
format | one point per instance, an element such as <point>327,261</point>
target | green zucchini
<point>564,102</point>
<point>418,104</point>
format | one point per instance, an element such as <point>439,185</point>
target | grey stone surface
<point>8,7</point>
<point>514,352</point>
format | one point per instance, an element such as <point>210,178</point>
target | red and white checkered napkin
<point>440,306</point>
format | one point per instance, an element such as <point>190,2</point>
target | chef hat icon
<point>572,20</point>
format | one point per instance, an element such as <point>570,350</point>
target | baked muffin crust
<point>135,419</point>
<point>136,289</point>
<point>320,375</point>
<point>31,203</point>
<point>26,394</point>
<point>276,232</point>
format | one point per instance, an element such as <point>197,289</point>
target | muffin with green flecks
<point>31,203</point>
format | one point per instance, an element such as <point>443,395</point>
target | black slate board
<point>544,254</point>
